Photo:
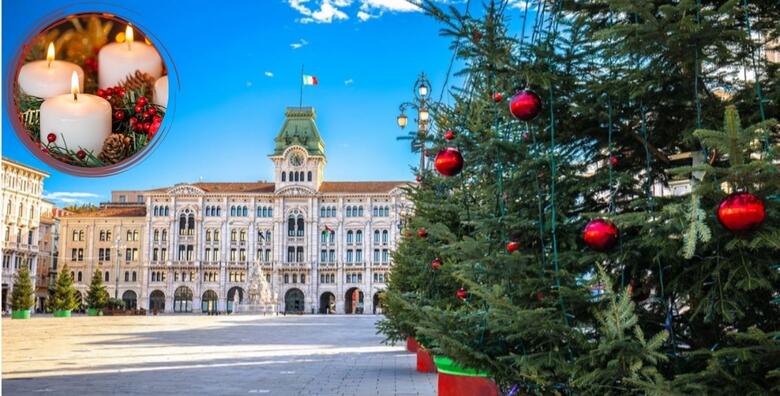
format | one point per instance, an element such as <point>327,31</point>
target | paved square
<point>214,355</point>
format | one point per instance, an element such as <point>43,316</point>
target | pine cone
<point>116,148</point>
<point>140,82</point>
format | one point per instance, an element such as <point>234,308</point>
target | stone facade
<point>323,246</point>
<point>20,209</point>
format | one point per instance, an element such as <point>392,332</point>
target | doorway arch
<point>377,307</point>
<point>130,299</point>
<point>293,301</point>
<point>327,303</point>
<point>353,301</point>
<point>157,301</point>
<point>208,302</point>
<point>182,299</point>
<point>232,298</point>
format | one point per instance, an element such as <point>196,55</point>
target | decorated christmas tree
<point>97,296</point>
<point>569,261</point>
<point>22,293</point>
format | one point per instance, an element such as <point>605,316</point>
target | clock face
<point>296,159</point>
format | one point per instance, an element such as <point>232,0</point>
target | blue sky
<point>238,65</point>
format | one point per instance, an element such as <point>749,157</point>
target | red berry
<point>147,125</point>
<point>133,120</point>
<point>157,118</point>
<point>109,91</point>
<point>613,160</point>
<point>422,233</point>
<point>51,137</point>
<point>498,97</point>
<point>152,110</point>
<point>81,154</point>
<point>91,63</point>
<point>120,91</point>
<point>539,296</point>
<point>138,109</point>
<point>145,115</point>
<point>119,115</point>
<point>142,101</point>
<point>449,135</point>
<point>101,93</point>
<point>461,293</point>
<point>436,263</point>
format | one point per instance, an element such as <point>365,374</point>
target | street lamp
<point>422,90</point>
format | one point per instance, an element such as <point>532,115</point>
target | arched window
<point>333,211</point>
<point>328,212</point>
<point>232,210</point>
<point>349,211</point>
<point>156,235</point>
<point>301,175</point>
<point>182,299</point>
<point>127,276</point>
<point>300,226</point>
<point>308,176</point>
<point>156,211</point>
<point>286,278</point>
<point>291,226</point>
<point>245,212</point>
<point>322,212</point>
<point>359,236</point>
<point>81,235</point>
<point>270,212</point>
<point>349,237</point>
<point>284,176</point>
<point>182,223</point>
<point>385,235</point>
<point>376,236</point>
<point>191,224</point>
<point>79,276</point>
<point>164,235</point>
<point>105,277</point>
<point>135,277</point>
<point>360,211</point>
<point>208,235</point>
<point>268,236</point>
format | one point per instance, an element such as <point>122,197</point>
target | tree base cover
<point>62,313</point>
<point>425,361</point>
<point>20,314</point>
<point>94,312</point>
<point>411,344</point>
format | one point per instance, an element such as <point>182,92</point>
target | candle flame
<point>50,53</point>
<point>74,85</point>
<point>128,35</point>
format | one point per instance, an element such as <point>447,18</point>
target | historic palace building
<point>20,235</point>
<point>323,246</point>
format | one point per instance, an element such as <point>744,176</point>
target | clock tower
<point>299,152</point>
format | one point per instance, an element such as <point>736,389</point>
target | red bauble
<point>741,211</point>
<point>613,160</point>
<point>138,109</point>
<point>101,93</point>
<point>512,247</point>
<point>51,137</point>
<point>119,115</point>
<point>525,105</point>
<point>539,296</point>
<point>449,135</point>
<point>152,111</point>
<point>422,233</point>
<point>600,234</point>
<point>436,263</point>
<point>142,101</point>
<point>461,293</point>
<point>498,97</point>
<point>419,178</point>
<point>448,162</point>
<point>81,154</point>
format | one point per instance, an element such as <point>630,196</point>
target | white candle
<point>161,91</point>
<point>118,60</point>
<point>47,78</point>
<point>79,121</point>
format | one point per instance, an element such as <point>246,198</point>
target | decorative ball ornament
<point>448,162</point>
<point>461,293</point>
<point>81,154</point>
<point>498,97</point>
<point>539,296</point>
<point>613,160</point>
<point>449,135</point>
<point>51,137</point>
<point>600,234</point>
<point>525,105</point>
<point>422,233</point>
<point>741,211</point>
<point>419,178</point>
<point>436,263</point>
<point>512,247</point>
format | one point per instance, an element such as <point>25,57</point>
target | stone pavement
<point>206,355</point>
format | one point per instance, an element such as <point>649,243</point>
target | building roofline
<point>26,167</point>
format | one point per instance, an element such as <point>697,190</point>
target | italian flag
<point>326,229</point>
<point>309,80</point>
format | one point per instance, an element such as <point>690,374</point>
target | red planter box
<point>411,344</point>
<point>457,385</point>
<point>425,361</point>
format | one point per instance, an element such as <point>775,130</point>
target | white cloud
<point>268,74</point>
<point>328,11</point>
<point>349,82</point>
<point>298,44</point>
<point>521,4</point>
<point>68,197</point>
<point>248,83</point>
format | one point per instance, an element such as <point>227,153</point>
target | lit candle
<point>161,91</point>
<point>118,60</point>
<point>79,121</point>
<point>47,78</point>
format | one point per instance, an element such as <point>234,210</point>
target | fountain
<point>259,299</point>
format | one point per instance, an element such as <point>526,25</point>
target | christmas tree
<point>22,293</point>
<point>97,296</point>
<point>656,296</point>
<point>63,297</point>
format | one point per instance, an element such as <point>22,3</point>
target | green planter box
<point>62,313</point>
<point>23,314</point>
<point>448,366</point>
<point>94,312</point>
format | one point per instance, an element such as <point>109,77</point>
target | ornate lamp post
<point>421,103</point>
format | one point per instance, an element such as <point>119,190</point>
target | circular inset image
<point>90,92</point>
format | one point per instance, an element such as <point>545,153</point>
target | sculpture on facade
<point>259,299</point>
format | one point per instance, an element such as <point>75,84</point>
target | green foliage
<point>63,297</point>
<point>115,303</point>
<point>22,293</point>
<point>97,296</point>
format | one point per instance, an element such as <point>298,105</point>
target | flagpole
<point>300,103</point>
